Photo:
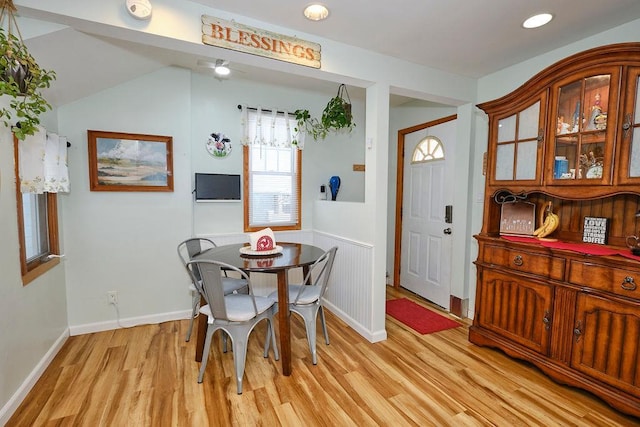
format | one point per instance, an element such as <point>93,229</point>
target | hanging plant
<point>335,117</point>
<point>305,124</point>
<point>337,113</point>
<point>21,78</point>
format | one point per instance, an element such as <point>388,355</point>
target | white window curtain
<point>43,163</point>
<point>269,128</point>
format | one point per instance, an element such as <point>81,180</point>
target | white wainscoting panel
<point>350,286</point>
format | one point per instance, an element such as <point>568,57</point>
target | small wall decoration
<point>130,162</point>
<point>218,145</point>
<point>595,230</point>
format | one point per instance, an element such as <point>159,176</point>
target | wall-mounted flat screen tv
<point>217,187</point>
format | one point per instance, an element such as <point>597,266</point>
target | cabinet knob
<point>517,260</point>
<point>578,331</point>
<point>628,284</point>
<point>547,320</point>
<point>626,126</point>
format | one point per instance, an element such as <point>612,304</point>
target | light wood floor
<point>146,376</point>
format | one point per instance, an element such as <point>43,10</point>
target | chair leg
<point>271,338</point>
<point>310,326</point>
<point>324,325</point>
<point>225,338</point>
<point>194,312</point>
<point>205,353</point>
<point>239,346</point>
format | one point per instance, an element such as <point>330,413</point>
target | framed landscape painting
<point>130,162</point>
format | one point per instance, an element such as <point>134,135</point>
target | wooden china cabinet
<point>569,136</point>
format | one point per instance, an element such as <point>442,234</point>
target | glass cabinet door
<point>629,154</point>
<point>584,138</point>
<point>519,143</point>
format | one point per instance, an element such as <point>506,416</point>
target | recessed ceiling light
<point>316,12</point>
<point>537,20</point>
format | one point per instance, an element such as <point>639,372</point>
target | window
<point>272,170</point>
<point>37,229</point>
<point>430,148</point>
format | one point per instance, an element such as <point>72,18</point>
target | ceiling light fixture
<point>221,68</point>
<point>316,12</point>
<point>538,20</point>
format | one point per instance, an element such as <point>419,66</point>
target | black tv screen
<point>211,187</point>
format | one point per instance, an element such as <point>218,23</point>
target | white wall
<point>215,110</point>
<point>33,318</point>
<point>126,241</point>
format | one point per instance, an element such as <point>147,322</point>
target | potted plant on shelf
<point>22,79</point>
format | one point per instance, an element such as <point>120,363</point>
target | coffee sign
<point>231,35</point>
<point>595,230</point>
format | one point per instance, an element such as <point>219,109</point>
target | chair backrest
<point>211,287</point>
<point>319,273</point>
<point>192,247</point>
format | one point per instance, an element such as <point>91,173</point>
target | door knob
<point>447,231</point>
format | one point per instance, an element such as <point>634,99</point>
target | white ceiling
<point>467,37</point>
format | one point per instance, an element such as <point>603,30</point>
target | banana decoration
<point>549,222</point>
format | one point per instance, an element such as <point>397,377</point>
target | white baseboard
<point>14,402</point>
<point>371,336</point>
<point>129,322</point>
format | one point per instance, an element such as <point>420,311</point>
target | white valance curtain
<point>43,163</point>
<point>270,128</point>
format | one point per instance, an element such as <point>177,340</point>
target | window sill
<point>39,270</point>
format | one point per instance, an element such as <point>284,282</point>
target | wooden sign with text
<point>231,35</point>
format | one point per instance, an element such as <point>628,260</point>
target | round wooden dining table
<point>293,255</point>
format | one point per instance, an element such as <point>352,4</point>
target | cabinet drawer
<point>534,263</point>
<point>598,276</point>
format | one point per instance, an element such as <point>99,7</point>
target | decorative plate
<point>594,172</point>
<point>246,250</point>
<point>218,145</point>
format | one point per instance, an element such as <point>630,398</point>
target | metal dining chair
<point>236,314</point>
<point>189,249</point>
<point>306,299</point>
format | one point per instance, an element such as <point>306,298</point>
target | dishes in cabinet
<point>594,172</point>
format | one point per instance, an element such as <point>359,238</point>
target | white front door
<point>426,241</point>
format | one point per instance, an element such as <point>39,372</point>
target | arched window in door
<point>427,150</point>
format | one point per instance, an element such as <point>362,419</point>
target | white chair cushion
<point>231,284</point>
<point>309,295</point>
<point>240,307</point>
<point>207,312</point>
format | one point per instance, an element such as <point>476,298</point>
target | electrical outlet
<point>112,297</point>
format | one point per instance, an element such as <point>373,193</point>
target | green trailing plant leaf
<point>335,117</point>
<point>22,79</point>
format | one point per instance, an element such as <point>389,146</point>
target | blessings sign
<point>231,35</point>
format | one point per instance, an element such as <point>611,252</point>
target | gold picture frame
<point>129,161</point>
